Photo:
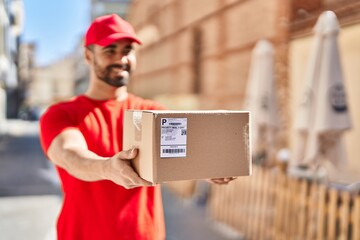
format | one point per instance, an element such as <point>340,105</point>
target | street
<point>30,195</point>
<point>23,168</point>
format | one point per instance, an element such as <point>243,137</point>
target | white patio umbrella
<point>261,100</point>
<point>323,112</point>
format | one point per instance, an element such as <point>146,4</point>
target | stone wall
<point>200,47</point>
<point>198,52</point>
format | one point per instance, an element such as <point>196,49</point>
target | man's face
<point>114,63</point>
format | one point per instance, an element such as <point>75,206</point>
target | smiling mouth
<point>118,68</point>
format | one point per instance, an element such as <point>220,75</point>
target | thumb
<point>128,154</point>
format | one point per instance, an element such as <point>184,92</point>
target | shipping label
<point>173,137</point>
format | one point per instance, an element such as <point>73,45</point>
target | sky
<point>55,27</point>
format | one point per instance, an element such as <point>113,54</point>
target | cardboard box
<point>185,145</point>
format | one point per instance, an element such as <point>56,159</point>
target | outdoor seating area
<point>305,190</point>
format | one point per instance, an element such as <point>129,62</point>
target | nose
<point>124,61</point>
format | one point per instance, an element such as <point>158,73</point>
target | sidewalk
<point>35,218</point>
<point>28,217</point>
<point>187,220</point>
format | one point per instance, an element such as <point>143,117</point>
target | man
<point>104,198</point>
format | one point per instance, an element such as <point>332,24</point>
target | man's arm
<point>69,151</point>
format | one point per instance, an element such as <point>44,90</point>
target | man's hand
<point>221,181</point>
<point>119,170</point>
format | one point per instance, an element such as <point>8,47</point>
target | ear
<point>88,55</point>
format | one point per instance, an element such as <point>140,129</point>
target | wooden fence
<point>272,205</point>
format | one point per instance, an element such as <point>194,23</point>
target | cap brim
<point>116,37</point>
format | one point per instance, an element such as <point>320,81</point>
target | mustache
<point>121,66</point>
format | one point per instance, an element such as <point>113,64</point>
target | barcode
<point>176,150</point>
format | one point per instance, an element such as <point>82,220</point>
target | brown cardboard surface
<point>217,144</point>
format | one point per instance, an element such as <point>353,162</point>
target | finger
<point>130,186</point>
<point>218,181</point>
<point>228,179</point>
<point>128,154</point>
<point>136,180</point>
<point>222,180</point>
<point>129,183</point>
<point>143,182</point>
<point>221,183</point>
<point>213,180</point>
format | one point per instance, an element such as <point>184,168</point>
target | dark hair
<point>90,47</point>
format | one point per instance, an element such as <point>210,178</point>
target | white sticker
<point>173,137</point>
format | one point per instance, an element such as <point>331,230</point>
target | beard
<point>110,74</point>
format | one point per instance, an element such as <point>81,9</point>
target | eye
<point>127,50</point>
<point>110,51</point>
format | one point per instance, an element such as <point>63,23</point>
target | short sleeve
<point>53,122</point>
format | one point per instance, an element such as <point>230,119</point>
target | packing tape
<point>247,141</point>
<point>137,121</point>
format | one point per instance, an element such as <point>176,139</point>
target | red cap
<point>107,29</point>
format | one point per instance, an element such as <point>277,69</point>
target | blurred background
<point>273,58</point>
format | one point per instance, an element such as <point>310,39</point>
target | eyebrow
<point>115,46</point>
<point>111,46</point>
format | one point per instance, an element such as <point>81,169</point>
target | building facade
<point>52,83</point>
<point>202,49</point>
<point>196,54</point>
<point>26,66</point>
<point>11,23</point>
<point>104,7</point>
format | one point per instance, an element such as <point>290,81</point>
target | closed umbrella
<point>261,100</point>
<point>323,112</point>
